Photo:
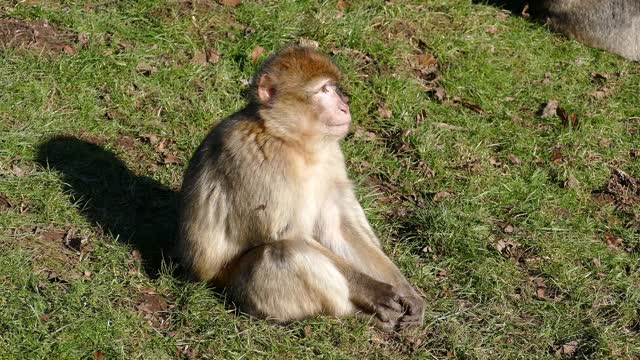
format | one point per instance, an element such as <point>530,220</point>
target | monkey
<point>612,25</point>
<point>268,213</point>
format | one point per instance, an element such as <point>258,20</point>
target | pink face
<point>331,108</point>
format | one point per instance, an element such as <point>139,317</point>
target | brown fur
<point>267,210</point>
<point>613,25</point>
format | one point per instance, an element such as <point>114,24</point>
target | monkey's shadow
<point>136,210</point>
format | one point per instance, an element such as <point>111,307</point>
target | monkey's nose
<point>344,108</point>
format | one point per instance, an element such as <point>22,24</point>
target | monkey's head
<point>297,93</point>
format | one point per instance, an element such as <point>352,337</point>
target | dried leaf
<point>366,135</point>
<point>150,138</point>
<point>170,159</point>
<point>146,69</point>
<point>612,240</point>
<point>441,195</point>
<point>4,202</point>
<point>556,156</point>
<point>69,49</point>
<point>384,112</point>
<point>468,105</point>
<point>16,170</point>
<point>126,142</point>
<point>83,40</point>
<point>199,59</point>
<point>568,119</point>
<point>152,302</point>
<point>572,182</point>
<point>255,53</point>
<point>308,43</point>
<point>492,30</point>
<point>439,93</point>
<point>136,255</point>
<point>231,3</point>
<point>342,5</point>
<point>426,60</point>
<point>448,126</point>
<point>514,159</point>
<point>602,92</point>
<point>53,234</point>
<point>98,355</point>
<point>550,109</point>
<point>568,348</point>
<point>205,58</point>
<point>596,262</point>
<point>509,229</point>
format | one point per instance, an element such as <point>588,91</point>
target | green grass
<point>75,170</point>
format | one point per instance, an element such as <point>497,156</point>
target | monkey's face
<point>330,106</point>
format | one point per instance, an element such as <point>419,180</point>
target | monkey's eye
<point>325,89</point>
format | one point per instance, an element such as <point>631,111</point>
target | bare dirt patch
<point>37,36</point>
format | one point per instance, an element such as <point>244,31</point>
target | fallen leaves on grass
<point>541,287</point>
<point>441,195</point>
<point>468,105</point>
<point>308,43</point>
<point>146,69</point>
<point>426,67</point>
<point>384,112</point>
<point>231,3</point>
<point>255,54</point>
<point>37,36</point>
<point>365,135</point>
<point>154,308</point>
<point>556,155</point>
<point>491,30</point>
<point>126,142</point>
<point>4,202</point>
<point>567,349</point>
<point>53,234</point>
<point>514,159</point>
<point>612,241</point>
<point>550,109</point>
<point>622,189</point>
<point>442,125</point>
<point>568,120</point>
<point>362,62</point>
<point>17,171</point>
<point>438,93</point>
<point>205,58</point>
<point>572,182</point>
<point>170,159</point>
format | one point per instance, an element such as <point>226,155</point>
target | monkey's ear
<point>265,88</point>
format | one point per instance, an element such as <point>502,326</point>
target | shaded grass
<point>483,303</point>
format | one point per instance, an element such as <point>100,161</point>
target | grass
<point>514,227</point>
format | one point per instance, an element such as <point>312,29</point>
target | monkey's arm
<point>346,232</point>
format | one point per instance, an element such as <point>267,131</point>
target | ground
<point>496,160</point>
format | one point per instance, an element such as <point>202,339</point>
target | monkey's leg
<point>291,280</point>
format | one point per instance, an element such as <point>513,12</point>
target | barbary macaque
<point>613,25</point>
<point>268,213</point>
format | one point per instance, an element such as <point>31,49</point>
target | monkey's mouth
<point>340,124</point>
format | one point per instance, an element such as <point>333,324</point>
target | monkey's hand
<point>381,300</point>
<point>413,311</point>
